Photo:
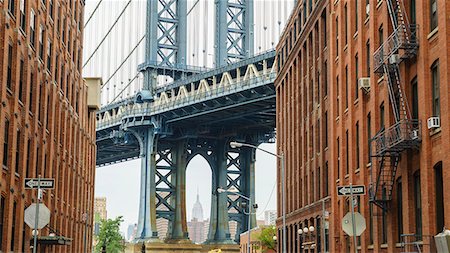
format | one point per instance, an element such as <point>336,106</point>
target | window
<point>13,226</point>
<point>368,58</point>
<point>49,56</point>
<point>337,36</point>
<point>439,193</point>
<point>2,218</point>
<point>326,179</point>
<point>324,25</point>
<point>347,162</point>
<point>5,144</point>
<point>50,6</point>
<point>32,28</point>
<point>319,194</point>
<point>325,83</point>
<point>326,129</point>
<point>27,168</point>
<point>21,77</point>
<point>384,217</point>
<point>370,223</point>
<point>346,24</point>
<point>382,116</point>
<point>12,7</point>
<point>41,42</point>
<point>337,97</point>
<point>418,205</point>
<point>310,5</point>
<point>338,158</point>
<point>356,15</point>
<point>380,36</point>
<point>415,99</point>
<point>435,88</point>
<point>18,152</point>
<point>412,11</point>
<point>399,210</point>
<point>433,15</point>
<point>357,76</point>
<point>369,133</point>
<point>346,86</point>
<point>304,12</point>
<point>367,8</point>
<point>357,144</point>
<point>22,15</point>
<point>30,105</point>
<point>9,70</point>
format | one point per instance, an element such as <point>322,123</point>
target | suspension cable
<point>92,14</point>
<point>123,62</point>
<point>109,31</point>
<point>126,86</point>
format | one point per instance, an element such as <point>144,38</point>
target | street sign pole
<point>353,219</point>
<point>37,214</point>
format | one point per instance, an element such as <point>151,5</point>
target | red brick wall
<point>57,123</point>
<point>297,113</point>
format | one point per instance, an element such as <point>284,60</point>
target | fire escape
<point>388,144</point>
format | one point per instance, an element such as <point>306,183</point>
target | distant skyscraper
<point>196,227</point>
<point>131,232</point>
<point>270,216</point>
<point>100,208</point>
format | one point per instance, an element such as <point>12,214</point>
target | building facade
<point>363,99</point>
<point>47,125</point>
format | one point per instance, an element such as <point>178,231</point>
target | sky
<point>119,183</point>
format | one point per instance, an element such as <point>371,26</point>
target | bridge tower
<point>164,152</point>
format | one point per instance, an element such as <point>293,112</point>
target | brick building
<point>342,119</point>
<point>47,124</point>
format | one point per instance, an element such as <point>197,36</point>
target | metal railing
<point>405,134</point>
<point>146,109</point>
<point>404,37</point>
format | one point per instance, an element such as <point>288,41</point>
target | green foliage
<point>110,237</point>
<point>266,237</point>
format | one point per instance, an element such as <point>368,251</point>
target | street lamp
<point>235,191</point>
<point>234,144</point>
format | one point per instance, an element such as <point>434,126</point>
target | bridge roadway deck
<point>227,102</point>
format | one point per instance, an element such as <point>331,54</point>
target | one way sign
<point>355,189</point>
<point>45,183</point>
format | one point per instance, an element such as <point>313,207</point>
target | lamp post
<point>235,192</point>
<point>304,232</point>
<point>283,186</point>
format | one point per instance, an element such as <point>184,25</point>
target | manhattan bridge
<point>199,112</point>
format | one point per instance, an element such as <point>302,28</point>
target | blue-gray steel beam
<point>248,166</point>
<point>179,225</point>
<point>219,231</point>
<point>147,207</point>
<point>234,38</point>
<point>166,39</point>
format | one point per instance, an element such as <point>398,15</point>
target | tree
<point>109,236</point>
<point>266,237</point>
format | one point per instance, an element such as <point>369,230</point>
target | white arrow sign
<point>45,183</point>
<point>356,189</point>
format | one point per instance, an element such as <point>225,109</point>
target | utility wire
<point>268,201</point>
<point>92,14</point>
<point>123,62</point>
<point>109,31</point>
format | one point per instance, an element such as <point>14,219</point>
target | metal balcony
<point>403,41</point>
<point>403,135</point>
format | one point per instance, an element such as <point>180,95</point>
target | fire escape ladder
<point>405,133</point>
<point>387,169</point>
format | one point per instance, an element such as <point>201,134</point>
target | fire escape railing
<point>403,41</point>
<point>405,134</point>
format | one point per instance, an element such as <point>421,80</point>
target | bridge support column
<point>219,232</point>
<point>179,227</point>
<point>247,156</point>
<point>147,209</point>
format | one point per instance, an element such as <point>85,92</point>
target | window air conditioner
<point>364,84</point>
<point>415,134</point>
<point>434,122</point>
<point>394,59</point>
